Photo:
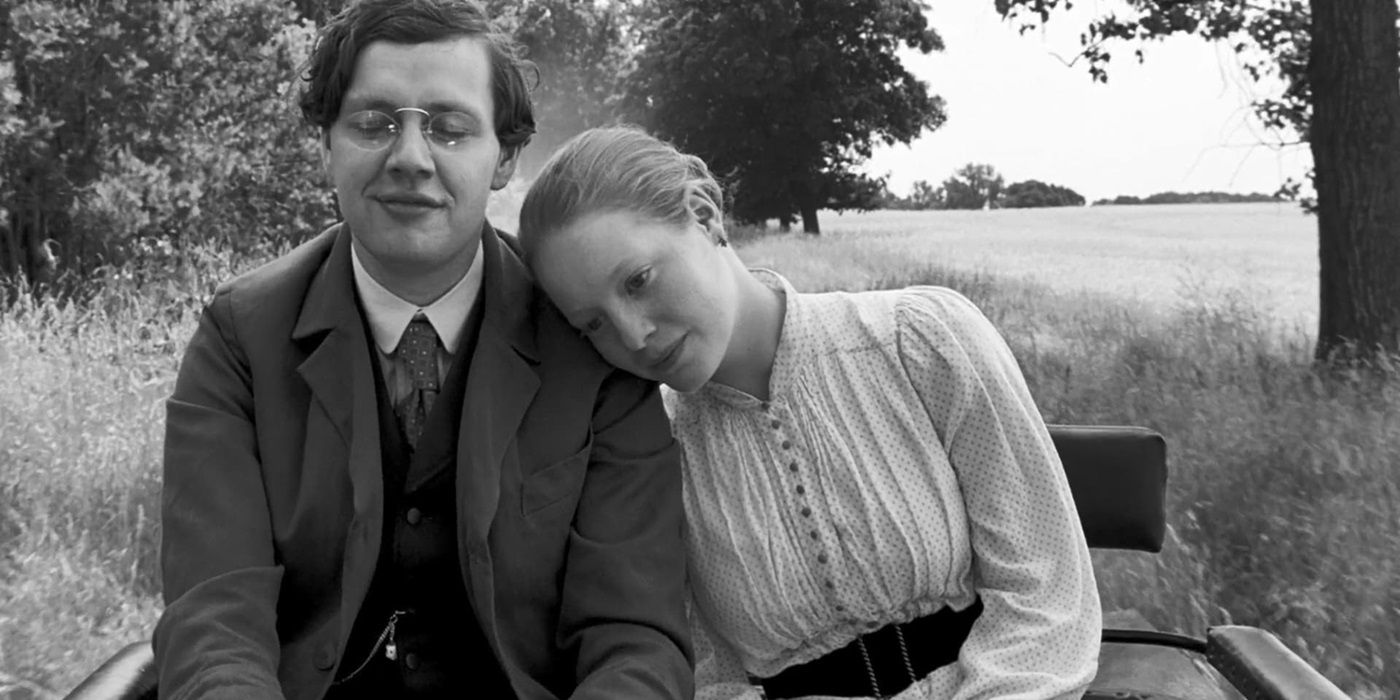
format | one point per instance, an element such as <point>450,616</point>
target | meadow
<point>1193,320</point>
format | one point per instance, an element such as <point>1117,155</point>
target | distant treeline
<point>1192,198</point>
<point>980,186</point>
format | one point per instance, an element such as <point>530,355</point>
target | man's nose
<point>410,153</point>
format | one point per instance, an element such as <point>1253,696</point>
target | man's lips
<point>408,199</point>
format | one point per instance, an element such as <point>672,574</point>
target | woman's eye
<point>638,280</point>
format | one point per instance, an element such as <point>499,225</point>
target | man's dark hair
<point>332,63</point>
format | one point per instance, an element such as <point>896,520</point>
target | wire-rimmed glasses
<point>375,130</point>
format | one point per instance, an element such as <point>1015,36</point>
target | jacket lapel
<point>501,383</point>
<point>338,373</point>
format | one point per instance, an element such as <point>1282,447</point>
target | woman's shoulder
<point>943,301</point>
<point>944,322</point>
<point>900,307</point>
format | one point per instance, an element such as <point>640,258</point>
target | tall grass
<point>82,389</point>
<point>1284,489</point>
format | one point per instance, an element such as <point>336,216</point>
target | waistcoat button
<point>324,659</point>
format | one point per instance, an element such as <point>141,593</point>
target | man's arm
<point>217,637</point>
<point>624,582</point>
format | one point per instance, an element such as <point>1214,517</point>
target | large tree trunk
<point>1354,71</point>
<point>806,196</point>
<point>809,220</point>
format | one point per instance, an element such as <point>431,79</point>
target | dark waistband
<point>879,663</point>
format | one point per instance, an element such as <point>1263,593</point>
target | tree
<point>783,98</point>
<point>973,186</point>
<point>1034,193</point>
<point>133,128</point>
<point>1340,63</point>
<point>581,50</point>
<point>926,196</point>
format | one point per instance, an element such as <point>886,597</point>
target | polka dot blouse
<point>899,466</point>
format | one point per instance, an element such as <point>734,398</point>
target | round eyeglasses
<point>374,130</point>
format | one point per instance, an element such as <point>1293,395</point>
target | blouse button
<point>815,536</point>
<point>787,444</point>
<point>792,466</point>
<point>801,489</point>
<point>840,608</point>
<point>831,587</point>
<point>765,406</point>
<point>806,512</point>
<point>821,558</point>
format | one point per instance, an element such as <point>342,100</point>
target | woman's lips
<point>669,358</point>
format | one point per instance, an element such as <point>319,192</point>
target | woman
<point>874,505</point>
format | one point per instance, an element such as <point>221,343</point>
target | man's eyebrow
<point>435,107</point>
<point>443,106</point>
<point>377,103</point>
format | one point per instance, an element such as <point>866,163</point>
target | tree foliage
<point>132,127</point>
<point>784,98</point>
<point>581,50</point>
<point>1193,198</point>
<point>136,129</point>
<point>1030,194</point>
<point>1339,63</point>
<point>973,186</point>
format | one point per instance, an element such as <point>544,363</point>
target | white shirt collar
<point>390,314</point>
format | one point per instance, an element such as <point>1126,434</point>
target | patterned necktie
<point>417,355</point>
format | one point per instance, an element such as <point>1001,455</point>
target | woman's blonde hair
<point>616,169</point>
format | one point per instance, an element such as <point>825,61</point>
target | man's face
<point>416,207</point>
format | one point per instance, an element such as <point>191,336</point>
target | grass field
<point>1193,320</point>
<point>1166,255</point>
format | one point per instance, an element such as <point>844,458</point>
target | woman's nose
<point>633,331</point>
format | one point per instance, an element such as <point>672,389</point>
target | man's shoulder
<point>266,302</point>
<point>273,280</point>
<point>560,344</point>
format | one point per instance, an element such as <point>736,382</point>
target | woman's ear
<point>708,216</point>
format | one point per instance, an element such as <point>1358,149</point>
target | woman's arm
<point>1038,635</point>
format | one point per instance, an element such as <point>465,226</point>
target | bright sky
<point>1180,121</point>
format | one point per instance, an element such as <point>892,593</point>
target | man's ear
<point>505,167</point>
<point>326,153</point>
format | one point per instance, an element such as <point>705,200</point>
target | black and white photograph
<point>700,349</point>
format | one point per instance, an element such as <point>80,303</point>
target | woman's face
<point>655,298</point>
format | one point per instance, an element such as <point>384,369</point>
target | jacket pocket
<point>556,482</point>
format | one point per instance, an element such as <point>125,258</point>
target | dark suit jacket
<point>568,494</point>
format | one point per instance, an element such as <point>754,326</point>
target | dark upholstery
<point>1119,479</point>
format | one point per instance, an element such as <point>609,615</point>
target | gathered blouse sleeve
<point>1039,632</point>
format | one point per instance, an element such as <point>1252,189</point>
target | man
<point>391,469</point>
